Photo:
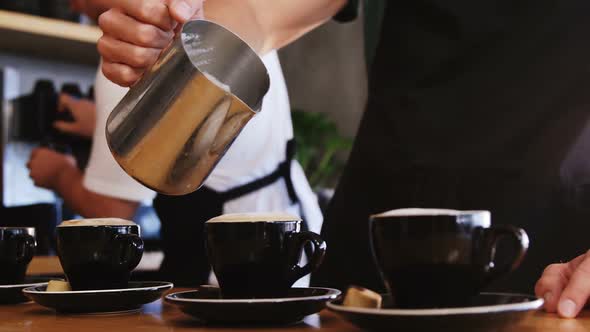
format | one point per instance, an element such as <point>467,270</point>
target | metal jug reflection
<point>176,123</point>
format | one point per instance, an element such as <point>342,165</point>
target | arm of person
<point>135,32</point>
<point>58,172</point>
<point>87,203</point>
<point>566,287</point>
<point>271,24</point>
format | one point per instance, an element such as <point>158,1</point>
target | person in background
<point>59,172</point>
<point>120,195</point>
<point>257,174</point>
<point>472,105</point>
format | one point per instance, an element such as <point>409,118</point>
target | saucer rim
<point>28,285</point>
<point>101,313</point>
<point>487,309</point>
<point>331,294</point>
<point>164,286</point>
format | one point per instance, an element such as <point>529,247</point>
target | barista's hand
<point>566,287</point>
<point>84,113</point>
<point>46,165</point>
<point>137,31</point>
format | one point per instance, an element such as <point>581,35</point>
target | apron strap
<point>286,170</point>
<point>282,171</point>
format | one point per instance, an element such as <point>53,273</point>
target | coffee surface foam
<point>254,217</point>
<point>97,222</point>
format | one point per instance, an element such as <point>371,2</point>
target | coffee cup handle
<point>518,235</point>
<point>299,240</point>
<point>132,251</point>
<point>23,241</point>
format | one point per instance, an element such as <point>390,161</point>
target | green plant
<point>318,146</point>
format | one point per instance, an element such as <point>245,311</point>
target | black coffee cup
<point>257,255</point>
<point>440,258</point>
<point>17,247</point>
<point>98,253</point>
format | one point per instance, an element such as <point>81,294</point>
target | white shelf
<point>48,38</point>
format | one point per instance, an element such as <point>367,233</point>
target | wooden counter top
<point>159,317</point>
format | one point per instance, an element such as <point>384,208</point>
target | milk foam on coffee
<point>97,222</point>
<point>254,217</point>
<point>482,218</point>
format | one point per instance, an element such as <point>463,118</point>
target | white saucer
<point>488,312</point>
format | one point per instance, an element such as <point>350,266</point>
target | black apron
<point>473,105</point>
<point>183,220</point>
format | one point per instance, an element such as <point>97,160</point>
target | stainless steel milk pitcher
<point>176,123</point>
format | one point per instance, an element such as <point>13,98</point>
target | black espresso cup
<point>257,255</point>
<point>17,247</point>
<point>99,253</point>
<point>440,258</point>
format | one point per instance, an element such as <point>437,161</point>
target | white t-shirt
<point>256,152</point>
<point>103,175</point>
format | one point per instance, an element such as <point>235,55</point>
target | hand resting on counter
<point>566,287</point>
